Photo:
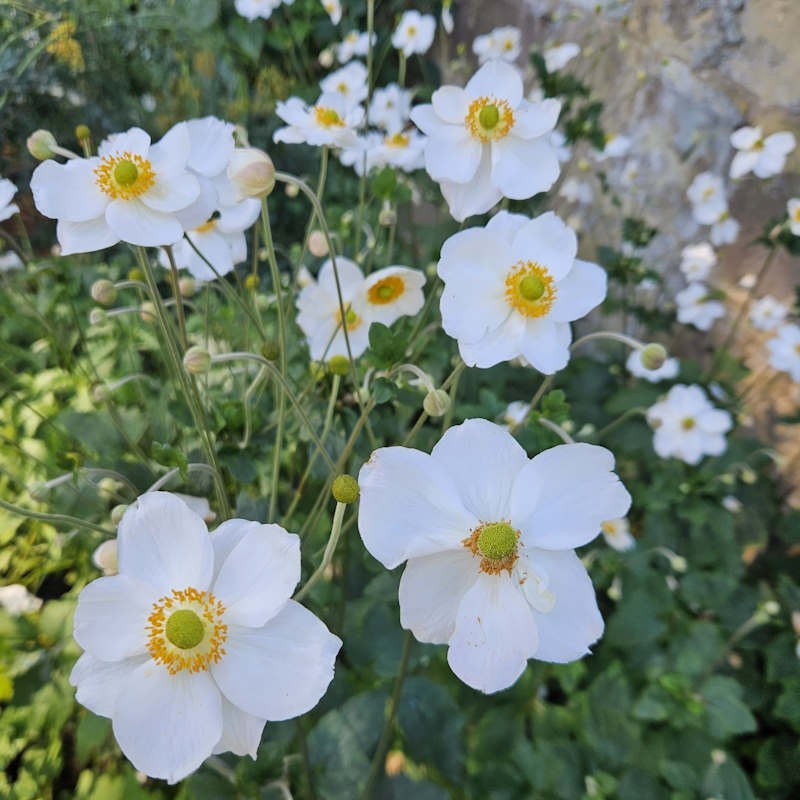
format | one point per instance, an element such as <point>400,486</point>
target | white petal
<point>170,155</point>
<point>281,670</point>
<point>536,119</point>
<point>409,507</point>
<point>99,683</point>
<point>68,191</point>
<point>172,193</point>
<point>583,289</point>
<point>454,157</point>
<point>134,140</point>
<point>212,145</point>
<point>522,168</point>
<point>212,248</point>
<point>474,304</point>
<point>780,143</point>
<point>545,344</point>
<point>743,162</point>
<point>450,103</point>
<point>135,223</point>
<point>431,590</point>
<point>562,496</point>
<point>241,732</point>
<point>483,460</point>
<point>549,241</point>
<point>496,79</point>
<point>744,138</point>
<point>475,197</point>
<point>167,725</point>
<point>163,543</point>
<point>505,226</point>
<point>503,343</point>
<point>350,277</point>
<point>239,217</point>
<point>85,237</point>
<point>475,248</point>
<point>495,634</point>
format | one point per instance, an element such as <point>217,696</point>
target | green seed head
<point>339,365</point>
<point>653,356</point>
<point>345,489</point>
<point>497,541</point>
<point>687,423</point>
<point>185,629</point>
<point>531,287</point>
<point>126,173</point>
<point>489,116</point>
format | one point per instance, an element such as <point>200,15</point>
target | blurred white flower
<point>630,173</point>
<point>784,350</point>
<point>732,504</point>
<point>706,193</point>
<point>7,192</point>
<point>501,43</point>
<point>668,370</point>
<point>767,313</point>
<point>334,9</point>
<point>559,141</point>
<point>696,307</point>
<point>10,260</point>
<point>515,414</point>
<point>330,122</point>
<point>574,190</point>
<point>17,600</point>
<point>402,150</point>
<point>697,261</point>
<point>617,533</point>
<point>556,58</point>
<point>616,146</point>
<point>793,212</point>
<point>350,81</point>
<point>447,16</point>
<point>393,292</point>
<point>253,9</point>
<point>724,231</point>
<point>390,108</point>
<point>764,157</point>
<point>354,44</point>
<point>414,33</point>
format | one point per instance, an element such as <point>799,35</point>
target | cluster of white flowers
<point>764,157</point>
<point>414,33</point>
<point>710,207</point>
<point>784,350</point>
<point>255,9</point>
<point>503,44</point>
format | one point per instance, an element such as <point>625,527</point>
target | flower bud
<point>436,403</point>
<point>653,356</point>
<point>317,244</point>
<point>41,144</point>
<point>100,393</point>
<point>251,172</point>
<point>105,555</point>
<point>197,360</point>
<point>748,475</point>
<point>104,292</point>
<point>292,190</point>
<point>135,274</point>
<point>345,489</point>
<point>97,316</point>
<point>270,350</point>
<point>387,216</point>
<point>325,58</point>
<point>772,607</point>
<point>117,512</point>
<point>147,312</point>
<point>82,132</point>
<point>187,287</point>
<point>39,491</point>
<point>251,282</point>
<point>339,365</point>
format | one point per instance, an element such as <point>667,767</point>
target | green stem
<point>556,428</point>
<point>327,556</point>
<point>56,519</point>
<point>176,292</point>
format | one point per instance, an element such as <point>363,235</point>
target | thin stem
<point>614,424</point>
<point>327,556</point>
<point>556,428</point>
<point>176,292</point>
<point>56,519</point>
<point>248,414</point>
<point>168,476</point>
<point>613,336</point>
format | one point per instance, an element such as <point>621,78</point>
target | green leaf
<point>387,347</point>
<point>555,407</point>
<point>727,714</point>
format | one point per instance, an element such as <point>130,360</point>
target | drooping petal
<point>168,725</point>
<point>496,79</point>
<point>409,507</point>
<point>84,237</point>
<point>549,241</point>
<point>68,191</point>
<point>475,197</point>
<point>522,168</point>
<point>280,670</point>
<point>431,590</point>
<point>495,634</point>
<point>99,683</point>
<point>135,223</point>
<point>163,543</point>
<point>583,289</point>
<point>241,732</point>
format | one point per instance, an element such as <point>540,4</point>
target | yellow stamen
<point>386,290</point>
<point>352,319</point>
<point>530,289</point>
<point>398,140</point>
<point>124,176</point>
<point>327,117</point>
<point>206,226</point>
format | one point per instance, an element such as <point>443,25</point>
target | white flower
<point>253,9</point>
<point>488,537</point>
<point>687,426</point>
<point>574,190</point>
<point>10,260</point>
<point>732,504</point>
<point>767,313</point>
<point>501,43</point>
<point>617,533</point>
<point>724,231</point>
<point>630,173</point>
<point>559,141</point>
<point>403,150</point>
<point>7,192</point>
<point>793,212</point>
<point>131,191</point>
<point>358,155</point>
<point>393,292</point>
<point>354,44</point>
<point>447,16</point>
<point>17,600</point>
<point>334,9</point>
<point>487,142</point>
<point>616,146</point>
<point>195,644</point>
<point>695,307</point>
<point>784,350</point>
<point>350,82</point>
<point>513,287</point>
<point>556,58</point>
<point>414,33</point>
<point>330,122</point>
<point>668,370</point>
<point>515,414</point>
<point>764,157</point>
<point>697,261</point>
<point>706,193</point>
<point>390,108</point>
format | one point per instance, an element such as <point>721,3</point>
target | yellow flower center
<point>530,289</point>
<point>411,30</point>
<point>352,320</point>
<point>609,528</point>
<point>342,87</point>
<point>206,226</point>
<point>386,290</point>
<point>327,117</point>
<point>495,543</point>
<point>759,145</point>
<point>125,176</point>
<point>796,214</point>
<point>185,631</point>
<point>687,423</point>
<point>489,119</point>
<point>708,192</point>
<point>508,45</point>
<point>398,140</point>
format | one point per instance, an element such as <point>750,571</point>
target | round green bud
<point>42,144</point>
<point>489,116</point>
<point>104,292</point>
<point>117,513</point>
<point>436,403</point>
<point>97,316</point>
<point>184,629</point>
<point>345,489</point>
<point>136,274</point>
<point>531,287</point>
<point>339,365</point>
<point>251,282</point>
<point>270,350</point>
<point>497,541</point>
<point>197,360</point>
<point>82,132</point>
<point>187,287</point>
<point>653,356</point>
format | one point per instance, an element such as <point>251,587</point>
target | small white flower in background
<point>334,10</point>
<point>687,426</point>
<point>630,173</point>
<point>488,537</point>
<point>10,260</point>
<point>393,292</point>
<point>447,16</point>
<point>697,261</point>
<point>724,231</point>
<point>350,82</point>
<point>104,557</point>
<point>131,191</point>
<point>767,313</point>
<point>732,504</point>
<point>793,212</point>
<point>515,414</point>
<point>359,154</point>
<point>354,44</point>
<point>556,58</point>
<point>668,370</point>
<point>501,43</point>
<point>617,533</point>
<point>784,350</point>
<point>616,146</point>
<point>402,150</point>
<point>7,192</point>
<point>17,600</point>
<point>328,122</point>
<point>706,193</point>
<point>513,287</point>
<point>696,307</point>
<point>195,644</point>
<point>559,141</point>
<point>390,108</point>
<point>574,190</point>
<point>487,142</point>
<point>253,9</point>
<point>764,157</point>
<point>414,33</point>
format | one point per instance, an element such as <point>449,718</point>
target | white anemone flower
<point>253,9</point>
<point>402,150</point>
<point>697,307</point>
<point>513,287</point>
<point>556,58</point>
<point>697,261</point>
<point>515,414</point>
<point>793,212</point>
<point>687,426</point>
<point>390,108</point>
<point>616,146</point>
<point>354,44</point>
<point>784,350</point>
<point>393,292</point>
<point>488,537</point>
<point>767,313</point>
<point>764,157</point>
<point>724,231</point>
<point>329,122</point>
<point>617,533</point>
<point>360,154</point>
<point>574,190</point>
<point>350,81</point>
<point>195,644</point>
<point>668,370</point>
<point>131,191</point>
<point>334,10</point>
<point>706,193</point>
<point>17,600</point>
<point>487,141</point>
<point>502,43</point>
<point>7,192</point>
<point>414,33</point>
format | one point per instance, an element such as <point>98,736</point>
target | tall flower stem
<point>176,292</point>
<point>327,556</point>
<point>362,184</point>
<point>55,519</point>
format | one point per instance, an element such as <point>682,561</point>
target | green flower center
<point>497,541</point>
<point>351,317</point>
<point>489,116</point>
<point>532,287</point>
<point>126,173</point>
<point>687,423</point>
<point>185,629</point>
<point>385,292</point>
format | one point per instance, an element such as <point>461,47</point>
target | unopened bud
<point>82,132</point>
<point>270,350</point>
<point>104,292</point>
<point>105,556</point>
<point>251,172</point>
<point>251,282</point>
<point>325,58</point>
<point>41,144</point>
<point>100,393</point>
<point>748,475</point>
<point>653,356</point>
<point>678,563</point>
<point>772,607</point>
<point>187,287</point>
<point>39,491</point>
<point>345,489</point>
<point>116,514</point>
<point>718,757</point>
<point>135,274</point>
<point>387,216</point>
<point>436,403</point>
<point>97,316</point>
<point>197,360</point>
<point>317,244</point>
<point>395,762</point>
<point>147,312</point>
<point>339,365</point>
<point>292,190</point>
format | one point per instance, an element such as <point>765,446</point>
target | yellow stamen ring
<point>530,289</point>
<point>386,290</point>
<point>125,176</point>
<point>327,117</point>
<point>489,119</point>
<point>495,543</point>
<point>352,319</point>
